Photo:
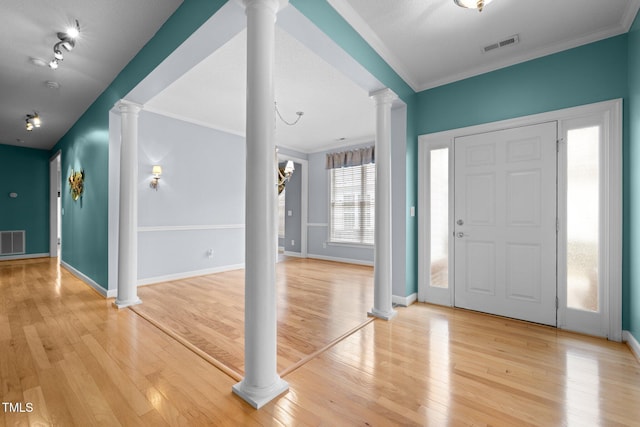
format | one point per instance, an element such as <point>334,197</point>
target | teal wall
<point>631,294</point>
<point>86,146</point>
<point>332,24</point>
<point>587,74</point>
<point>25,171</point>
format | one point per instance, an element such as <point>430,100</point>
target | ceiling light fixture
<point>32,120</point>
<point>298,113</point>
<point>473,4</point>
<point>67,42</point>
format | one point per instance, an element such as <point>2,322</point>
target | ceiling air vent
<point>509,41</point>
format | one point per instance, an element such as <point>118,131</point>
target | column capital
<point>275,5</point>
<point>383,96</point>
<point>128,107</point>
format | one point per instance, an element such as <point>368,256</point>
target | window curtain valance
<point>358,157</point>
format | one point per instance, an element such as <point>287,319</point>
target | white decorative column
<point>382,306</point>
<point>261,382</point>
<point>128,229</point>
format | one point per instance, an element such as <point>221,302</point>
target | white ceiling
<point>427,42</point>
<point>213,94</point>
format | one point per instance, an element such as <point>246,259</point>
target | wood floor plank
<point>38,412</point>
<point>87,391</point>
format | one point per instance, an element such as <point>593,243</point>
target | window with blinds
<point>353,204</point>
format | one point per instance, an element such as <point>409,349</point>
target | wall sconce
<point>156,172</point>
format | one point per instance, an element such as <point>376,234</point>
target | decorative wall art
<point>76,184</point>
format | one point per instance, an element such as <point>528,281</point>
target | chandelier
<point>472,4</point>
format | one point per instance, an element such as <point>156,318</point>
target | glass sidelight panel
<point>439,195</point>
<point>583,218</point>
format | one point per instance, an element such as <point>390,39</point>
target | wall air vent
<point>12,242</point>
<point>509,41</point>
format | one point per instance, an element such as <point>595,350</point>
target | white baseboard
<point>188,274</point>
<point>404,301</point>
<point>336,259</point>
<point>102,291</point>
<point>293,254</point>
<point>632,343</point>
<point>23,256</point>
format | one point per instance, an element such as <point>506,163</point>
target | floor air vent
<point>12,242</point>
<point>509,41</point>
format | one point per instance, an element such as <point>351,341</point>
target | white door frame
<point>612,221</point>
<point>55,183</point>
<point>304,201</point>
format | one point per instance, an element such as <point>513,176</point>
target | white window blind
<point>353,204</point>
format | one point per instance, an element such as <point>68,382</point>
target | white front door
<point>506,221</point>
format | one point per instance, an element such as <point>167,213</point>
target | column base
<point>384,315</point>
<point>258,396</point>
<point>124,304</point>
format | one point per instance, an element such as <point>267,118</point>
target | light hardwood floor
<point>318,302</point>
<point>79,361</point>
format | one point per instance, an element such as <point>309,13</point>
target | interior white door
<point>505,223</point>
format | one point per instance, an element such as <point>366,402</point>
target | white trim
<point>343,260</point>
<point>614,217</point>
<point>304,201</point>
<point>404,301</point>
<point>293,254</point>
<point>24,256</point>
<point>188,274</point>
<point>317,224</point>
<point>193,121</point>
<point>427,293</point>
<point>54,180</point>
<point>614,213</point>
<point>608,321</point>
<point>633,344</point>
<point>146,229</point>
<point>86,279</point>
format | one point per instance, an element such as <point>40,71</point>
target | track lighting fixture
<point>32,120</point>
<point>67,42</point>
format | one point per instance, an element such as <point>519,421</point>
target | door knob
<point>460,234</point>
